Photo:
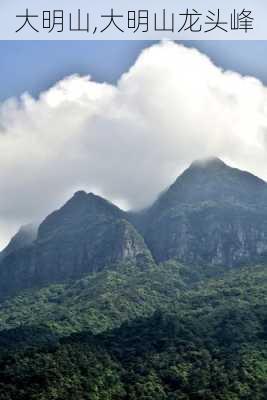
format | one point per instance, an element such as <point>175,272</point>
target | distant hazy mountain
<point>212,214</point>
<point>25,236</point>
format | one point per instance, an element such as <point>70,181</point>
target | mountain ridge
<point>212,214</point>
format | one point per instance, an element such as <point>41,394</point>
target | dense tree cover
<point>104,300</point>
<point>101,301</point>
<point>210,345</point>
<point>94,306</point>
<point>164,357</point>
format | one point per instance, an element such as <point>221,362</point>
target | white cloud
<point>129,141</point>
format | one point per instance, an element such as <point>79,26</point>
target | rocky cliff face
<point>85,235</point>
<point>212,214</point>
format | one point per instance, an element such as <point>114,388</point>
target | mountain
<point>212,214</point>
<point>168,303</point>
<point>87,234</point>
<point>23,238</point>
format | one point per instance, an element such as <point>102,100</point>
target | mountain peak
<point>212,214</point>
<point>80,193</point>
<point>208,162</point>
<point>211,180</point>
<point>86,200</point>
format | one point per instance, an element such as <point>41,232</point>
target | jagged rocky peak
<point>84,236</point>
<point>212,214</point>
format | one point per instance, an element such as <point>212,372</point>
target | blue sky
<point>34,66</point>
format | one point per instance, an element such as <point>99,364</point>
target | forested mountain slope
<point>166,304</point>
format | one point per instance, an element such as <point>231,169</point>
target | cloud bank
<point>127,142</point>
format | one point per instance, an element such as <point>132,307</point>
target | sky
<point>146,112</point>
<point>34,66</point>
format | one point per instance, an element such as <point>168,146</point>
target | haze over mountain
<point>25,236</point>
<point>211,215</point>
